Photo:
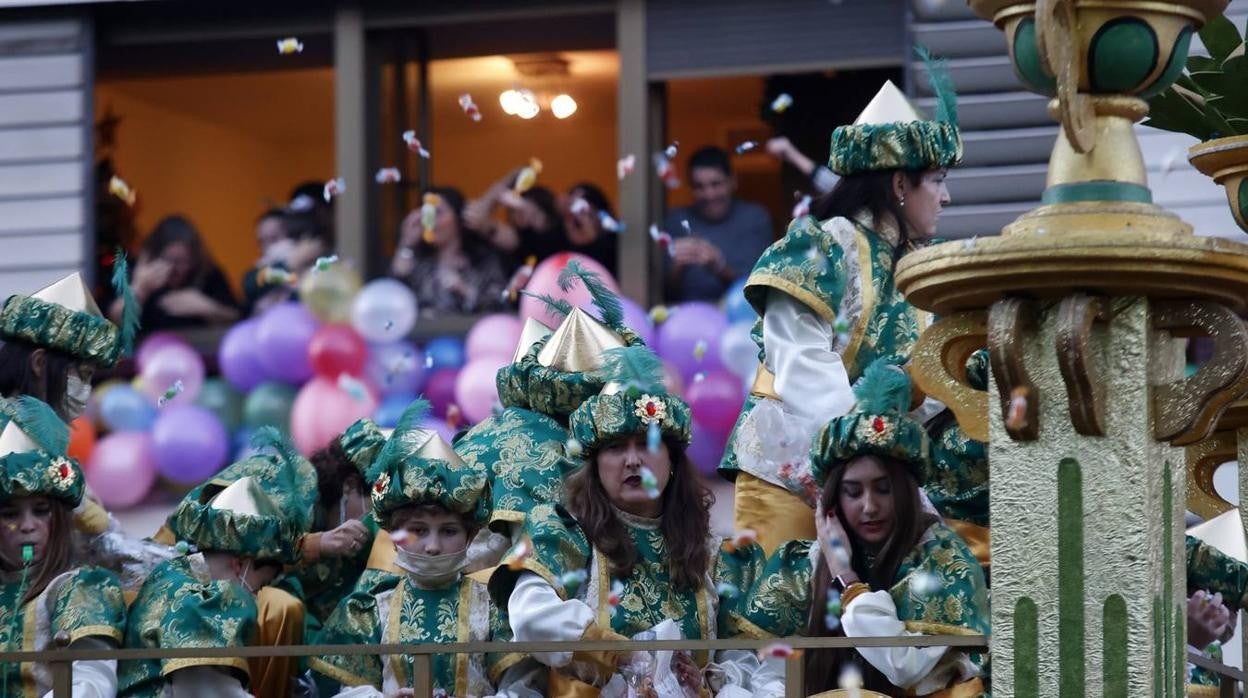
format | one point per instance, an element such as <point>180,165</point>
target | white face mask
<point>431,570</point>
<point>77,392</point>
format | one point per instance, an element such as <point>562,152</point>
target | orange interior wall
<point>220,149</point>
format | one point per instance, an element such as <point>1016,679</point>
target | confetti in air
<point>172,392</point>
<point>388,175</point>
<point>334,187</point>
<point>684,223</point>
<point>615,596</point>
<point>275,276</point>
<point>579,206</point>
<point>670,151</point>
<point>609,224</point>
<point>324,263</point>
<point>699,376</point>
<point>746,147</point>
<point>925,583</point>
<point>352,386</point>
<point>781,103</point>
<point>399,537</point>
<point>802,207</point>
<point>727,590</point>
<point>666,171</point>
<point>469,107</point>
<point>429,216</point>
<point>658,314</point>
<point>453,416</point>
<point>118,188</point>
<point>649,483</point>
<point>699,349</point>
<point>1016,416</point>
<point>289,45</point>
<point>654,437</point>
<point>661,238</point>
<point>573,448</point>
<point>413,144</point>
<point>834,605</point>
<point>778,650</point>
<point>572,581</point>
<point>850,679</point>
<point>528,176</point>
<point>519,553</point>
<point>625,166</point>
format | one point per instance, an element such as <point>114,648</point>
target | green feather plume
<point>40,423</point>
<point>604,298</point>
<point>130,309</point>
<point>272,437</point>
<point>555,306</point>
<point>883,389</point>
<point>942,86</point>
<point>411,418</point>
<point>632,367</point>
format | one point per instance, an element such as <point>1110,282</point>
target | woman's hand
<point>833,543</point>
<point>187,302</point>
<point>150,275</point>
<point>1207,619</point>
<point>348,539</point>
<point>687,671</point>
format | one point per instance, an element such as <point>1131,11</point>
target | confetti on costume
<point>388,175</point>
<point>573,448</point>
<point>118,188</point>
<point>469,107</point>
<point>528,176</point>
<point>173,391</point>
<point>613,598</point>
<point>625,166</point>
<point>289,45</point>
<point>429,216</point>
<point>727,590</point>
<point>781,103</point>
<point>334,187</point>
<point>413,144</point>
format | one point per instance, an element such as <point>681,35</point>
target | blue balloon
<point>735,305</point>
<point>444,352</point>
<point>126,409</point>
<point>391,408</point>
<point>240,443</point>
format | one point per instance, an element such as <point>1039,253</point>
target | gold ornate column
<point>1082,303</point>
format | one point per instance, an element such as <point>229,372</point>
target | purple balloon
<point>706,448</point>
<point>189,444</point>
<point>169,365</point>
<point>440,390</point>
<point>239,356</point>
<point>282,338</point>
<point>121,469</point>
<point>397,367</point>
<point>439,425</point>
<point>153,342</point>
<point>715,399</point>
<point>638,320</point>
<point>689,338</point>
<point>492,336</point>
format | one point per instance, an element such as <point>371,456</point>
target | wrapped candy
<point>520,279</point>
<point>334,187</point>
<point>413,144</point>
<point>609,224</point>
<point>740,539</point>
<point>469,107</point>
<point>727,590</point>
<point>661,238</point>
<point>388,175</point>
<point>352,386</point>
<point>573,580</point>
<point>650,483</point>
<point>850,679</point>
<point>573,448</point>
<point>670,151</point>
<point>118,188</point>
<point>520,552</point>
<point>289,45</point>
<point>666,171</point>
<point>658,314</point>
<point>169,394</point>
<point>746,146</point>
<point>625,166</point>
<point>429,216</point>
<point>684,223</point>
<point>528,176</point>
<point>324,263</point>
<point>781,103</point>
<point>802,207</point>
<point>778,650</point>
<point>276,276</point>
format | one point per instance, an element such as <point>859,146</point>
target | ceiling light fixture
<point>563,106</point>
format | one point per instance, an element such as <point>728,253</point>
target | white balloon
<point>738,351</point>
<point>384,310</point>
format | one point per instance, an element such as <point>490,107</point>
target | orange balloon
<point>81,439</point>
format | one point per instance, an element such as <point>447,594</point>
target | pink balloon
<point>672,381</point>
<point>166,366</point>
<point>475,390</point>
<point>322,411</point>
<point>494,335</point>
<point>706,448</point>
<point>153,342</point>
<point>716,400</point>
<point>545,280</point>
<point>689,338</point>
<point>122,469</point>
<point>440,390</point>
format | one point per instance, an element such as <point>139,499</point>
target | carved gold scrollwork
<point>1185,411</point>
<point>1059,51</point>
<point>1085,386</point>
<point>1010,320</point>
<point>1203,459</point>
<point>938,367</point>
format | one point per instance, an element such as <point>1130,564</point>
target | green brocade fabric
<point>86,602</point>
<point>1216,572</point>
<point>181,606</point>
<point>83,336</point>
<point>548,391</point>
<point>773,593</point>
<point>856,434</point>
<point>361,443</point>
<point>913,145</point>
<point>605,418</point>
<point>322,584</point>
<point>406,478</point>
<point>810,265</point>
<point>41,473</point>
<point>956,480</point>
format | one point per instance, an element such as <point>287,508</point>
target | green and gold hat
<point>632,399</point>
<point>33,461</point>
<point>417,466</point>
<point>512,380</point>
<point>65,317</point>
<point>361,443</point>
<point>877,425</point>
<point>262,513</point>
<point>891,134</point>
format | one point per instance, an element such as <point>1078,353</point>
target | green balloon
<point>268,405</point>
<point>221,399</point>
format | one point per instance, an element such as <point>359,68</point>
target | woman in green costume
<point>630,552</point>
<point>44,600</point>
<point>828,302</point>
<point>888,566</point>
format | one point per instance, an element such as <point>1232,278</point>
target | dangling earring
<point>902,202</point>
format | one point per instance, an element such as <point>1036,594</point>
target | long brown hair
<point>686,523</point>
<point>872,191</point>
<point>909,524</point>
<point>56,553</point>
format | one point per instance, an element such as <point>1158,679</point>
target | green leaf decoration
<point>1220,37</point>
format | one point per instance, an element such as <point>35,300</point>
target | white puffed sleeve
<point>204,682</point>
<point>537,614</point>
<point>873,614</point>
<point>811,379</point>
<point>96,678</point>
<point>745,675</point>
<point>359,692</point>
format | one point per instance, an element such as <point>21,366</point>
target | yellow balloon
<point>328,294</point>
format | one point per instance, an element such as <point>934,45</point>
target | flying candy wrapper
<point>625,165</point>
<point>579,206</point>
<point>528,176</point>
<point>727,590</point>
<point>658,314</point>
<point>520,552</point>
<point>608,223</point>
<point>649,483</point>
<point>1016,417</point>
<point>684,223</point>
<point>388,175</point>
<point>778,650</point>
<point>352,386</point>
<point>666,171</point>
<point>615,596</point>
<point>654,437</point>
<point>334,187</point>
<point>670,151</point>
<point>699,376</point>
<point>782,102</point>
<point>453,416</point>
<point>118,188</point>
<point>520,279</point>
<point>746,147</point>
<point>276,276</point>
<point>573,448</point>
<point>661,238</point>
<point>802,207</point>
<point>413,144</point>
<point>699,349</point>
<point>172,392</point>
<point>289,45</point>
<point>469,107</point>
<point>429,216</point>
<point>571,581</point>
<point>324,263</point>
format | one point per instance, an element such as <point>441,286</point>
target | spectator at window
<point>532,226</point>
<point>821,178</point>
<point>718,238</point>
<point>584,230</point>
<point>291,240</point>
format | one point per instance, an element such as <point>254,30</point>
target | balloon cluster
<point>342,352</point>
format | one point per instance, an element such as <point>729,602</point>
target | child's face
<point>432,532</point>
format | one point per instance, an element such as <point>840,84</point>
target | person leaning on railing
<point>887,567</point>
